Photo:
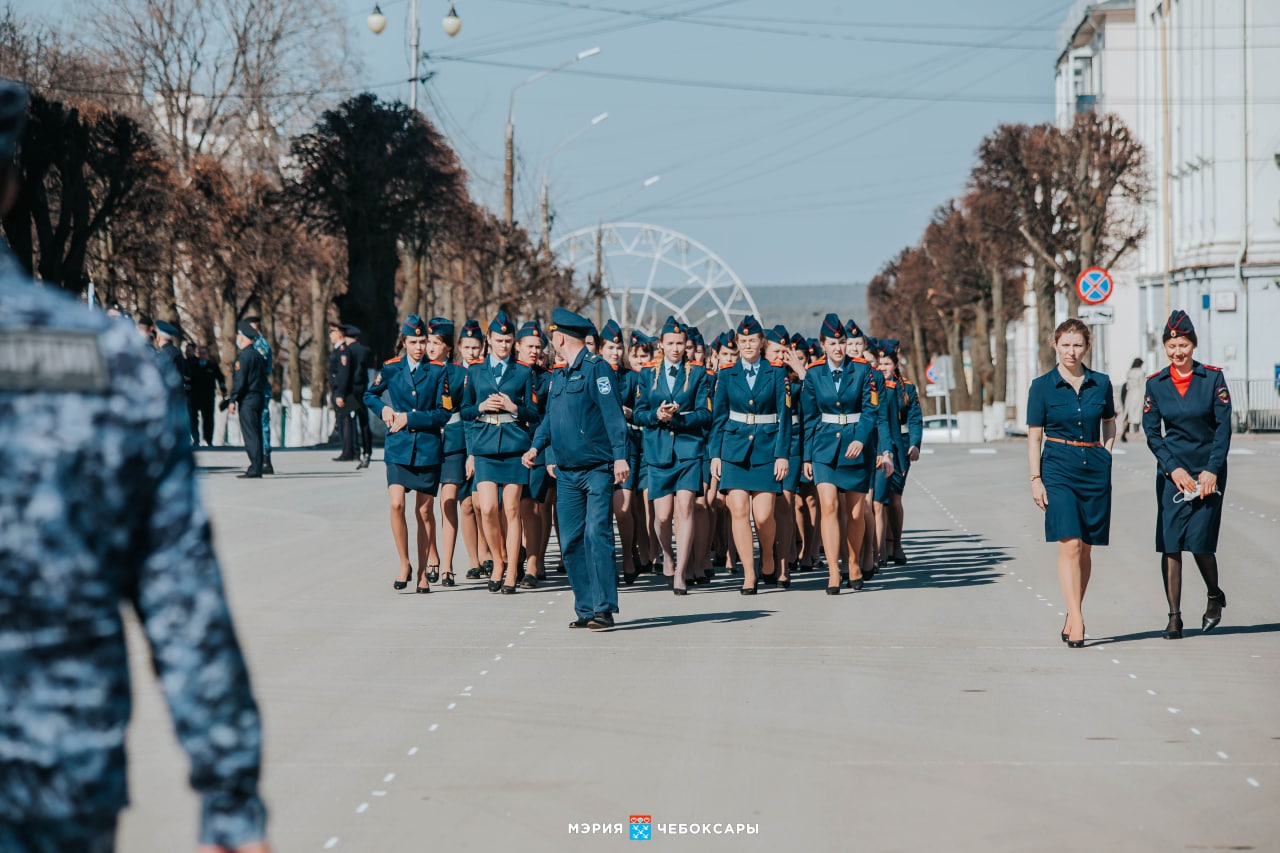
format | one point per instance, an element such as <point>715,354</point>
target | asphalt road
<point>935,710</point>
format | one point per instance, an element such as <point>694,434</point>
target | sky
<point>804,143</point>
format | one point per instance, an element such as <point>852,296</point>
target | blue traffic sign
<point>1094,286</point>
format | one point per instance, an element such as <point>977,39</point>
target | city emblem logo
<point>641,827</point>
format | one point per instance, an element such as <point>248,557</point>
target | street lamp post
<point>451,24</point>
<point>509,142</point>
<point>543,204</point>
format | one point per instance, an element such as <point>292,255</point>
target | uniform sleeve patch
<point>1224,395</point>
<point>1146,404</point>
<point>603,385</point>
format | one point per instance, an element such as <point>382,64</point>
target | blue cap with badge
<point>672,326</point>
<point>531,329</point>
<point>471,329</point>
<point>501,324</point>
<point>750,326</point>
<point>413,327</point>
<point>167,330</point>
<point>440,326</point>
<point>612,333</point>
<point>569,323</point>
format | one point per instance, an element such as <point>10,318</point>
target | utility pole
<point>599,278</point>
<point>1167,165</point>
<point>509,175</point>
<point>414,36</point>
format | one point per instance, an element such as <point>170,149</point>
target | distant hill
<point>801,307</point>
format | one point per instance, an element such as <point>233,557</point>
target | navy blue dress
<point>413,455</point>
<point>1077,479</point>
<point>499,439</point>
<point>750,426</point>
<point>454,468</point>
<point>673,452</point>
<point>1192,433</point>
<point>857,403</point>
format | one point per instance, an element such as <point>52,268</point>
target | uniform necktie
<point>671,376</point>
<point>751,376</point>
<point>497,371</point>
<point>835,375</point>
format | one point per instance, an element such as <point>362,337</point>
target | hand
<point>1183,480</point>
<point>492,403</point>
<point>471,467</point>
<point>400,421</point>
<point>551,471</point>
<point>1039,496</point>
<point>339,402</point>
<point>1208,483</point>
<point>251,847</point>
<point>715,468</point>
<point>796,362</point>
<point>780,469</point>
<point>665,412</point>
<point>807,470</point>
<point>530,458</point>
<point>854,451</point>
<point>621,471</point>
<point>388,415</point>
<point>886,464</point>
<point>505,404</point>
<point>627,413</point>
<point>913,454</point>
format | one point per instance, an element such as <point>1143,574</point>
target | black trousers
<point>250,411</point>
<point>200,413</point>
<point>360,420</point>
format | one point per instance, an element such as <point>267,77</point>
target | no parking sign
<point>1094,286</point>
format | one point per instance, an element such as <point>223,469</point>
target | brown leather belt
<point>1073,443</point>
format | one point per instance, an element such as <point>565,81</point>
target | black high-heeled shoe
<point>629,578</point>
<point>401,584</point>
<point>1076,644</point>
<point>701,580</point>
<point>769,580</point>
<point>833,590</point>
<point>679,591</point>
<point>447,579</point>
<point>494,586</point>
<point>1174,629</point>
<point>856,584</point>
<point>1064,633</point>
<point>785,583</point>
<point>422,590</point>
<point>508,590</point>
<point>433,576</point>
<point>749,590</point>
<point>1213,615</point>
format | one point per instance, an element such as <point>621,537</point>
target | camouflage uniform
<point>99,506</point>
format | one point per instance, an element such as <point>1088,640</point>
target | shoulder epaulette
<point>778,363</point>
<point>560,365</point>
<point>525,363</point>
<point>822,360</point>
<point>696,364</point>
<point>859,359</point>
<point>475,361</point>
<point>1211,367</point>
<point>1158,373</point>
<point>439,363</point>
<point>393,360</point>
<point>908,382</point>
<point>889,383</point>
<point>650,364</point>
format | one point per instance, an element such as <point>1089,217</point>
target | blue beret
<point>611,332</point>
<point>529,330</point>
<point>1178,325</point>
<point>440,326</point>
<point>832,328</point>
<point>854,331</point>
<point>171,331</point>
<point>413,327</point>
<point>471,329</point>
<point>574,325</point>
<point>750,326</point>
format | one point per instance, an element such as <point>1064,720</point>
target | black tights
<point>1171,568</point>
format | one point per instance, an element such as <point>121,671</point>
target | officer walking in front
<point>102,510</point>
<point>247,397</point>
<point>362,362</point>
<point>587,434</point>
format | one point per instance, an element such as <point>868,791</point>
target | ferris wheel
<point>649,272</point>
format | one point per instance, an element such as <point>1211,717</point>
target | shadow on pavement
<point>690,619</point>
<point>1266,628</point>
<point>941,558</point>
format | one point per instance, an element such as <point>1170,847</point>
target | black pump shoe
<point>433,573</point>
<point>447,579</point>
<point>1174,630</point>
<point>833,590</point>
<point>1213,615</point>
<point>1076,644</point>
<point>404,583</point>
<point>749,590</point>
<point>494,586</point>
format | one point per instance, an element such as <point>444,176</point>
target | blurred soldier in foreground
<point>99,507</point>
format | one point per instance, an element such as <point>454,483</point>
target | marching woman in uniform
<point>1071,426</point>
<point>471,350</point>
<point>778,352</point>
<point>751,447</point>
<point>626,382</point>
<point>841,411</point>
<point>640,354</point>
<point>865,349</point>
<point>724,552</point>
<point>499,405</point>
<point>906,429</point>
<point>453,472</point>
<point>672,407</point>
<point>1187,420</point>
<point>414,448</point>
<point>534,507</point>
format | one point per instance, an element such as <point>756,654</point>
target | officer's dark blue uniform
<point>1192,431</point>
<point>498,439</point>
<point>250,376</point>
<point>836,415</point>
<point>750,423</point>
<point>673,452</point>
<point>413,455</point>
<point>585,429</point>
<point>1075,467</point>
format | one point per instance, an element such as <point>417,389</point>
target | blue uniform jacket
<point>451,393</point>
<point>796,404</point>
<point>417,394</point>
<point>908,429</point>
<point>1191,432</point>
<point>584,426</point>
<point>500,439</point>
<point>685,436</point>
<point>743,443</point>
<point>826,442</point>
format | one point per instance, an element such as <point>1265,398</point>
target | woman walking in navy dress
<point>1186,416</point>
<point>1071,426</point>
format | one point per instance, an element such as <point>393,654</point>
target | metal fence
<point>1257,410</point>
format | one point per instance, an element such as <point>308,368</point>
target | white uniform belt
<point>906,430</point>
<point>749,418</point>
<point>636,427</point>
<point>455,418</point>
<point>496,418</point>
<point>795,420</point>
<point>841,419</point>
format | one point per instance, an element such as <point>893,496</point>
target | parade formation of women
<point>761,454</point>
<point>1186,417</point>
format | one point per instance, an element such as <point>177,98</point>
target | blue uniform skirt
<point>684,476</point>
<point>1078,482</point>
<point>539,484</point>
<point>633,480</point>
<point>504,470</point>
<point>414,478</point>
<point>454,469</point>
<point>751,478</point>
<point>1189,525</point>
<point>854,478</point>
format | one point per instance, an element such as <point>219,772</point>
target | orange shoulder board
<point>859,359</point>
<point>1211,367</point>
<point>889,383</point>
<point>560,365</point>
<point>440,363</point>
<point>778,363</point>
<point>696,364</point>
<point>1156,374</point>
<point>475,361</point>
<point>393,360</point>
<point>650,364</point>
<point>822,360</point>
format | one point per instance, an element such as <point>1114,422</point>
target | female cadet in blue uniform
<point>640,354</point>
<point>906,430</point>
<point>1186,416</point>
<point>807,512</point>
<point>625,383</point>
<point>861,347</point>
<point>413,449</point>
<point>750,447</point>
<point>453,471</point>
<point>471,346</point>
<point>672,407</point>
<point>499,405</point>
<point>778,353</point>
<point>841,416</point>
<point>533,502</point>
<point>1071,425</point>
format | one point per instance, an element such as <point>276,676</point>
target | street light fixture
<point>452,24</point>
<point>378,22</point>
<point>544,204</point>
<point>509,173</point>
